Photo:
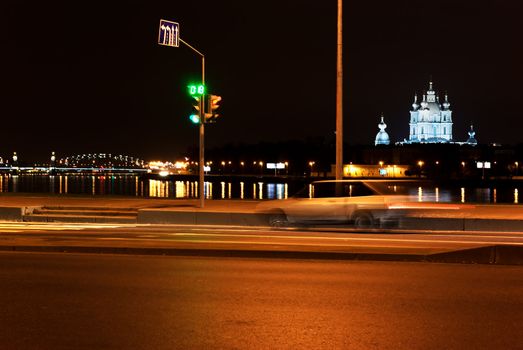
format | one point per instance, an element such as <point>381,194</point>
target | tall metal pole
<point>201,165</point>
<point>339,96</point>
<point>201,161</point>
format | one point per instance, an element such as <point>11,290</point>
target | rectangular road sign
<point>169,33</point>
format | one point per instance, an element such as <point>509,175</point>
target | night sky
<point>85,77</point>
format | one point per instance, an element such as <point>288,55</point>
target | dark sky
<point>83,76</point>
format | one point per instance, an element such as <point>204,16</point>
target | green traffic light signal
<point>195,118</point>
<point>196,89</point>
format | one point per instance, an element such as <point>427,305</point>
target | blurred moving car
<point>364,203</point>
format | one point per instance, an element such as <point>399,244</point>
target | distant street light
<point>311,164</point>
<point>420,164</point>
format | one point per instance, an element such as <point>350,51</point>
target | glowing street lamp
<point>311,164</point>
<point>420,164</point>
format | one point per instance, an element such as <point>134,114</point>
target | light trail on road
<point>56,226</point>
<point>245,238</point>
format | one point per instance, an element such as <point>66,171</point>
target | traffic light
<point>196,104</point>
<point>195,118</point>
<point>212,103</point>
<point>197,92</point>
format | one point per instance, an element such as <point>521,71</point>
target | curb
<point>490,255</point>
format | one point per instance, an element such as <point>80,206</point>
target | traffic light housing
<point>197,93</point>
<point>213,104</point>
<point>196,104</point>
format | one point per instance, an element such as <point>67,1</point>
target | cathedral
<point>430,122</point>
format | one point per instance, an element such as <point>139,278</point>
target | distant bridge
<point>101,160</point>
<point>82,163</point>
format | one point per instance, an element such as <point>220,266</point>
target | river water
<point>132,185</point>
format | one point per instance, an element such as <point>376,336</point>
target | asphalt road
<point>249,238</point>
<point>68,301</point>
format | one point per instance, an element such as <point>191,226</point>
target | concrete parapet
<point>152,216</point>
<point>461,224</point>
<point>445,224</point>
<point>494,225</point>
<point>15,213</point>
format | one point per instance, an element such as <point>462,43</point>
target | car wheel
<point>363,220</point>
<point>278,220</point>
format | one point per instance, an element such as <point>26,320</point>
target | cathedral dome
<point>382,138</point>
<point>472,140</point>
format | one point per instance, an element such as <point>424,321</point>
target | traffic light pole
<point>339,97</point>
<point>201,163</point>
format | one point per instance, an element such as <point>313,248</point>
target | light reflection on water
<point>129,185</point>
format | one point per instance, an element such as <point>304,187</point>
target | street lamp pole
<point>339,97</point>
<point>201,163</point>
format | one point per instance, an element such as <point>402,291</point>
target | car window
<point>393,188</point>
<point>323,190</point>
<point>359,189</point>
<point>340,189</point>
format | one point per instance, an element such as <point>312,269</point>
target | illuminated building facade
<point>430,120</point>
